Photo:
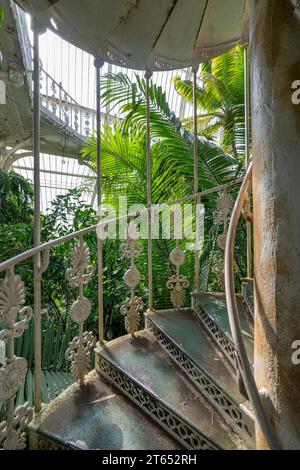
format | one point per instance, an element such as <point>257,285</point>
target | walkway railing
<point>243,364</point>
<point>60,105</point>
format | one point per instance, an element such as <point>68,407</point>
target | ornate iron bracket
<point>78,352</point>
<point>132,307</point>
<point>177,283</point>
<point>15,320</point>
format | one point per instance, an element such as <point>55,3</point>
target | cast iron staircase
<point>170,386</point>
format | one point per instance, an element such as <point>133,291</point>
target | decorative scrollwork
<point>12,296</point>
<point>132,307</point>
<point>12,431</point>
<point>219,398</point>
<point>12,375</point>
<point>188,435</point>
<point>66,109</point>
<point>76,119</point>
<point>82,272</point>
<point>15,320</point>
<point>177,283</point>
<point>78,352</point>
<point>221,216</point>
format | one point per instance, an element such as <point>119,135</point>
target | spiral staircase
<point>170,386</point>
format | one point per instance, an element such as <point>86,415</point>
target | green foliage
<point>220,99</point>
<point>1,15</point>
<point>123,162</point>
<point>16,196</point>
<point>124,169</point>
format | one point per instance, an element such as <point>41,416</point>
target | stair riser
<point>175,425</point>
<point>223,342</point>
<point>248,303</point>
<point>221,401</point>
<point>38,441</point>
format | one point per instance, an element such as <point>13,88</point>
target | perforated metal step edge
<point>222,340</point>
<point>177,426</point>
<point>213,392</point>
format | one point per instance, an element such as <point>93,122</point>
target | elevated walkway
<point>64,122</point>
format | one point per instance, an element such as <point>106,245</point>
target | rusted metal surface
<point>97,416</point>
<point>184,339</point>
<point>275,35</point>
<point>143,359</point>
<point>215,306</point>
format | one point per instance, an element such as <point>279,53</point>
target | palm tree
<point>123,151</point>
<point>220,99</point>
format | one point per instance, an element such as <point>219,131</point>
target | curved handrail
<point>47,246</point>
<point>241,354</point>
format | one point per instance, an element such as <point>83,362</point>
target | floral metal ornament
<point>132,307</point>
<point>15,319</point>
<point>221,216</point>
<point>177,283</point>
<point>13,431</point>
<point>78,352</point>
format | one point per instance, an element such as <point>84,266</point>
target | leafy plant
<point>123,155</point>
<point>220,100</point>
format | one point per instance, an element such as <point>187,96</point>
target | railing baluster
<point>221,216</point>
<point>177,282</point>
<point>15,320</point>
<point>132,307</point>
<point>148,75</point>
<point>87,129</point>
<point>37,219</point>
<point>60,101</point>
<point>196,182</point>
<point>79,348</point>
<point>98,64</point>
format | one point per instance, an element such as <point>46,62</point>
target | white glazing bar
<point>247,151</point>
<point>98,64</point>
<point>196,181</point>
<point>148,75</point>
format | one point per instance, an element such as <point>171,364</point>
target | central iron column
<point>275,66</point>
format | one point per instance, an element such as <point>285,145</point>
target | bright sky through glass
<point>74,68</point>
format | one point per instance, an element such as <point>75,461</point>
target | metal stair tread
<point>215,305</point>
<point>184,329</point>
<point>142,358</point>
<point>98,416</point>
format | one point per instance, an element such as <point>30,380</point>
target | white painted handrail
<point>47,246</point>
<point>241,354</point>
